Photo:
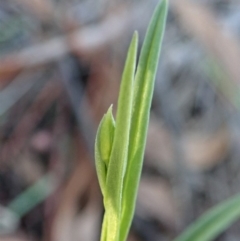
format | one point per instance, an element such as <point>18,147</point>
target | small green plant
<point>120,144</point>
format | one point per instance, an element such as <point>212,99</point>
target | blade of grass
<point>143,91</point>
<point>34,195</point>
<point>214,222</point>
<point>118,159</point>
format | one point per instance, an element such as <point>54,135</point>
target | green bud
<point>103,146</point>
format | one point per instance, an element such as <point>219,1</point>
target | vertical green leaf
<point>143,91</point>
<point>118,159</point>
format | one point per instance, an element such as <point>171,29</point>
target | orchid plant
<point>120,144</point>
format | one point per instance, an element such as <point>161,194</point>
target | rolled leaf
<point>103,146</point>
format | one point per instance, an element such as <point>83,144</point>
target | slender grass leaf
<point>214,222</point>
<point>33,195</point>
<point>143,91</point>
<point>118,159</point>
<point>103,146</point>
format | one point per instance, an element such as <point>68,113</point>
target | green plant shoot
<point>119,147</point>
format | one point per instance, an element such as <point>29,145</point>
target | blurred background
<point>60,69</point>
